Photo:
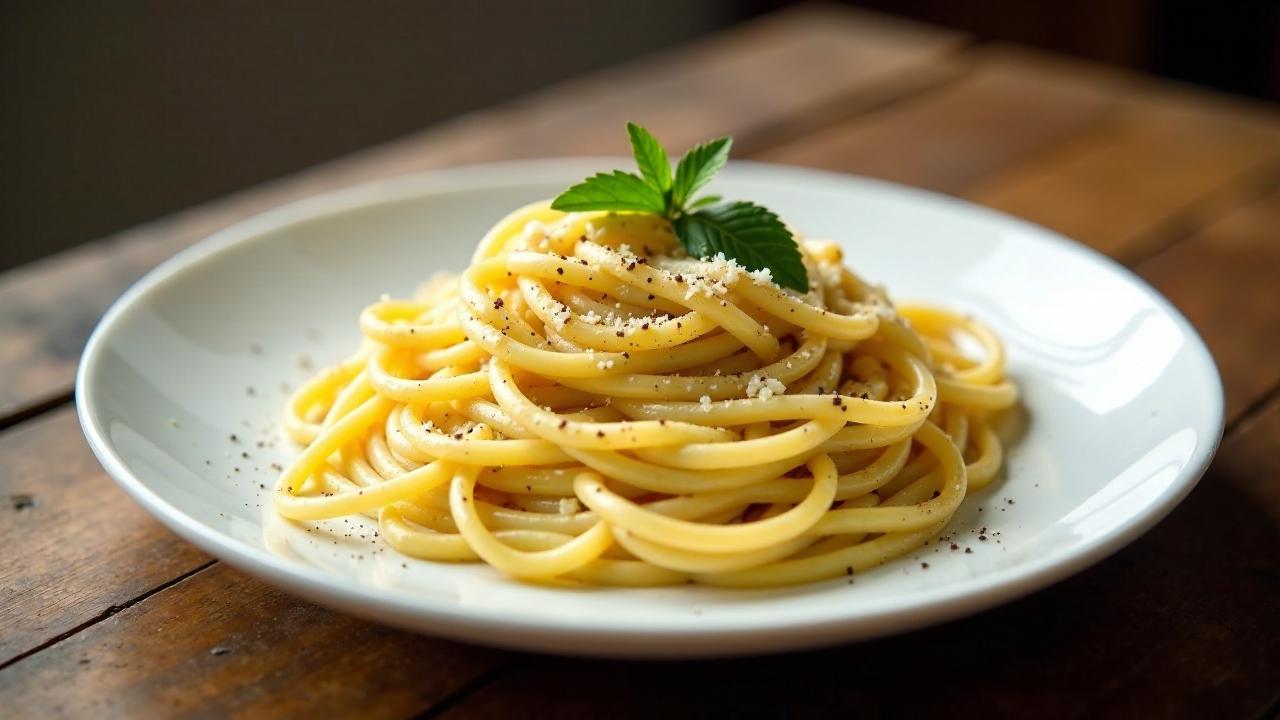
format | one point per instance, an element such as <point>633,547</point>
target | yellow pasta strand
<point>587,404</point>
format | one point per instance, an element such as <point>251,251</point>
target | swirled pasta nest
<point>585,402</point>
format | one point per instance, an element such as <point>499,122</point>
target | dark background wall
<point>113,113</point>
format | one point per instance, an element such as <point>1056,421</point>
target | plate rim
<point>709,637</point>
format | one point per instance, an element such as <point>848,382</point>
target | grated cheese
<point>764,387</point>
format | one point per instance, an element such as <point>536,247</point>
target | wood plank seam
<point>1072,703</point>
<point>35,409</point>
<point>473,686</point>
<point>758,139</point>
<point>851,105</point>
<point>483,682</point>
<point>1165,234</point>
<point>105,614</point>
<point>1241,190</point>
<point>768,131</point>
<point>1251,412</point>
<point>1249,185</point>
<point>1255,407</point>
<point>1271,178</point>
<point>1245,188</point>
<point>879,53</point>
<point>480,682</point>
<point>754,141</point>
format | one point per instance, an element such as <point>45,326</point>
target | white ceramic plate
<point>1123,408</point>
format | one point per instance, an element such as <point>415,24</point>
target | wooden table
<point>105,613</point>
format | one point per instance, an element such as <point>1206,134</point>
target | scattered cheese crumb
<point>569,506</point>
<point>705,402</point>
<point>561,317</point>
<point>764,387</point>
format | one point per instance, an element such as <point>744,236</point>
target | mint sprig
<point>750,234</point>
<point>698,166</point>
<point>651,158</point>
<point>612,191</point>
<point>747,233</point>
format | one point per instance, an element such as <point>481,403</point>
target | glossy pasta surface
<point>586,403</point>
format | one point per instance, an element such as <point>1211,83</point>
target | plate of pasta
<point>609,416</point>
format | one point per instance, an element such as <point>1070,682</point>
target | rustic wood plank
<point>1155,617</point>
<point>1125,164</point>
<point>47,310</point>
<point>752,81</point>
<point>994,115</point>
<point>757,82</point>
<point>1168,159</point>
<point>1252,466</point>
<point>1140,612</point>
<point>1226,280</point>
<point>1045,139</point>
<point>1239,246</point>
<point>1181,624</point>
<point>74,545</point>
<point>221,644</point>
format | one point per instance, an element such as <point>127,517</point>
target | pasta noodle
<point>585,402</point>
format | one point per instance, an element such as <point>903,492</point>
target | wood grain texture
<point>220,644</point>
<point>756,82</point>
<point>995,114</point>
<point>48,309</point>
<point>1180,624</point>
<point>1254,471</point>
<point>1226,280</point>
<point>1163,162</point>
<point>1175,626</point>
<point>73,545</point>
<point>1124,164</point>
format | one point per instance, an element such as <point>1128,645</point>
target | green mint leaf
<point>611,191</point>
<point>651,157</point>
<point>748,233</point>
<point>697,167</point>
<point>744,232</point>
<point>704,200</point>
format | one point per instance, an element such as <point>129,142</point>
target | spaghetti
<point>586,402</point>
